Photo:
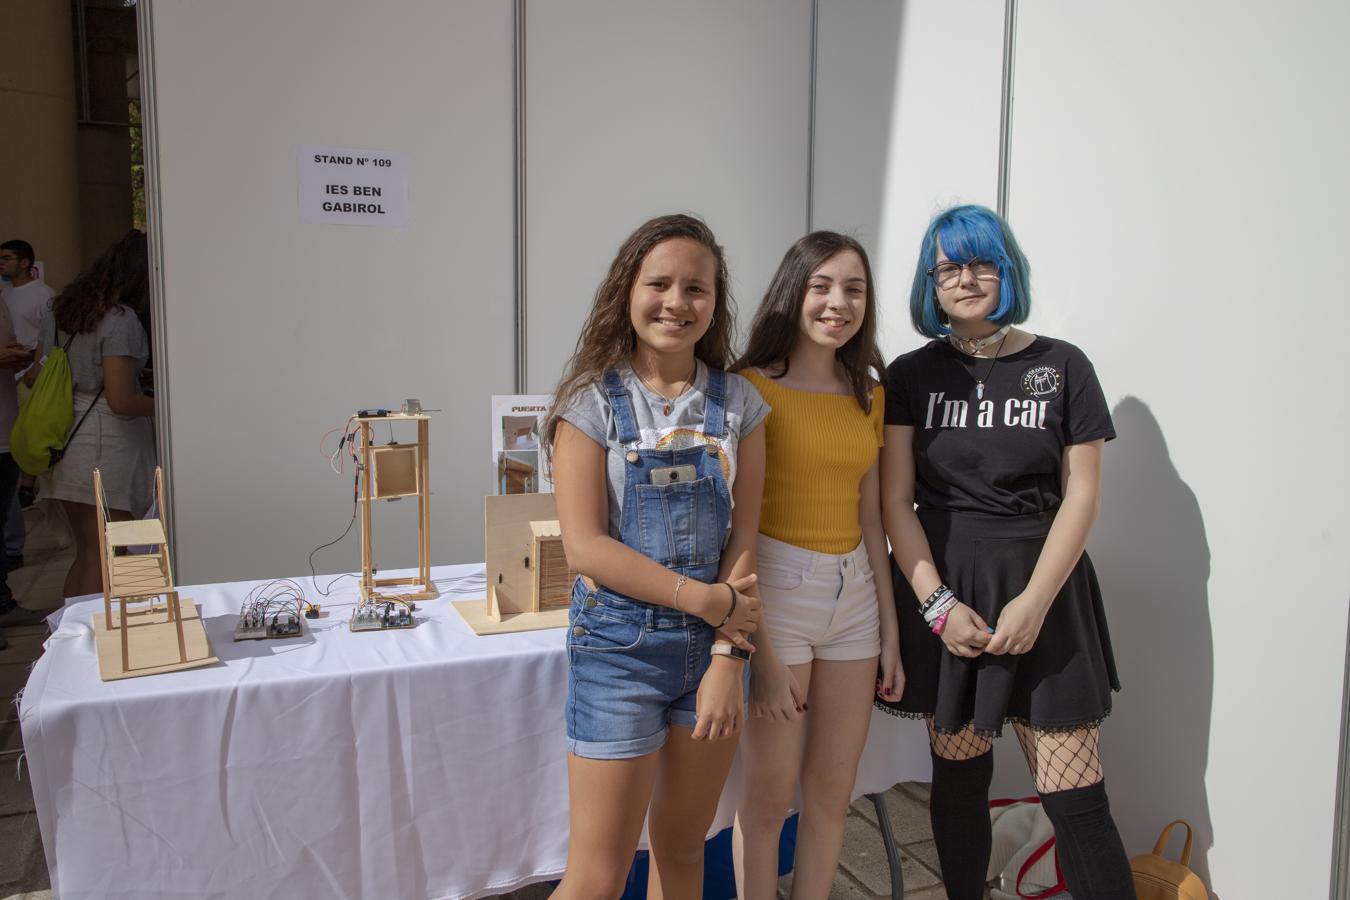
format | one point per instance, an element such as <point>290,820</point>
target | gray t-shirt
<point>119,334</point>
<point>590,412</point>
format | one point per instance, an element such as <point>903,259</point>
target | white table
<point>426,762</point>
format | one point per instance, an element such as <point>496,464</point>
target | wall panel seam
<point>811,121</point>
<point>522,308</point>
<point>155,240</point>
<point>1005,104</point>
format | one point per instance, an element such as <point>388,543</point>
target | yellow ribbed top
<point>819,448</point>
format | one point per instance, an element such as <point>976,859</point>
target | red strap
<point>1012,801</point>
<point>1031,860</point>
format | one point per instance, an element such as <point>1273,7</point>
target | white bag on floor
<point>1022,862</point>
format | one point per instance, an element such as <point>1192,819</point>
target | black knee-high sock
<point>1089,847</point>
<point>959,810</point>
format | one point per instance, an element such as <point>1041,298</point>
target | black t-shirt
<point>999,454</point>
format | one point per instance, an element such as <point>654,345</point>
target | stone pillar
<point>105,146</point>
<point>39,193</point>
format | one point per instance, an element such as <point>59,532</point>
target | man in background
<point>26,298</point>
<point>14,357</point>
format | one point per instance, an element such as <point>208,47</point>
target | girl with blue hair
<point>996,435</point>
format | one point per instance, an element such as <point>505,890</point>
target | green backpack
<point>42,429</point>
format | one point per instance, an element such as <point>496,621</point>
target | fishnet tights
<point>965,744</point>
<point>1058,760</point>
<point>1061,760</point>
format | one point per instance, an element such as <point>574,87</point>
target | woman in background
<point>94,319</point>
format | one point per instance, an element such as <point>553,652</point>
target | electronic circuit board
<point>261,626</point>
<point>382,615</point>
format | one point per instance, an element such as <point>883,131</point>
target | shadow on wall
<point>857,68</point>
<point>1152,557</point>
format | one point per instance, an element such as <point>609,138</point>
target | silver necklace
<point>670,401</point>
<point>979,382</point>
<point>975,345</point>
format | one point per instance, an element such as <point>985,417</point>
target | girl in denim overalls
<point>658,463</point>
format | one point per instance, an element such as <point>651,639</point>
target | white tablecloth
<point>416,763</point>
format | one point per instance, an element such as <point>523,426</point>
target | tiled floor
<point>23,869</point>
<point>863,871</point>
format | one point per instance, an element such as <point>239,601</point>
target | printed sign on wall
<point>341,186</point>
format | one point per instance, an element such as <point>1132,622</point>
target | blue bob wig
<point>966,233</point>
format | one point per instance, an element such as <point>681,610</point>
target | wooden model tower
<point>392,471</point>
<point>158,639</point>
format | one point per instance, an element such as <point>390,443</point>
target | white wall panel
<point>635,109</point>
<point>1179,185</point>
<point>907,109</point>
<point>277,331</point>
<point>1170,167</point>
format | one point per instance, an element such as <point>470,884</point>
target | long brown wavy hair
<point>608,339</point>
<point>776,329</point>
<point>120,277</point>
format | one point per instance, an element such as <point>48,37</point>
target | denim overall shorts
<point>634,667</point>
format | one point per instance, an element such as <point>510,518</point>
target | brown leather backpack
<point>1158,878</point>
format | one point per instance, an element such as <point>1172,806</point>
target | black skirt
<point>1066,679</point>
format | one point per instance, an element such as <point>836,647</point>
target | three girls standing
<point>662,469</point>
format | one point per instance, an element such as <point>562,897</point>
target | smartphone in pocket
<point>674,475</point>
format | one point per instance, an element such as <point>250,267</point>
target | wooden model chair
<point>136,577</point>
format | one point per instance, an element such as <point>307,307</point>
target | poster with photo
<point>519,464</point>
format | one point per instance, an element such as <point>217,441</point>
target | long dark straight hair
<point>776,328</point>
<point>607,338</point>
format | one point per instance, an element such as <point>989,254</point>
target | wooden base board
<point>474,612</point>
<point>386,593</point>
<point>152,642</point>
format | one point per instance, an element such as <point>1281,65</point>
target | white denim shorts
<point>818,605</point>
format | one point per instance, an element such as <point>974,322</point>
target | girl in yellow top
<point>826,618</point>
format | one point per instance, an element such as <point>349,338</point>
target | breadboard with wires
<point>271,610</point>
<point>378,614</point>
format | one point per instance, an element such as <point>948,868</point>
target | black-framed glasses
<point>948,274</point>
